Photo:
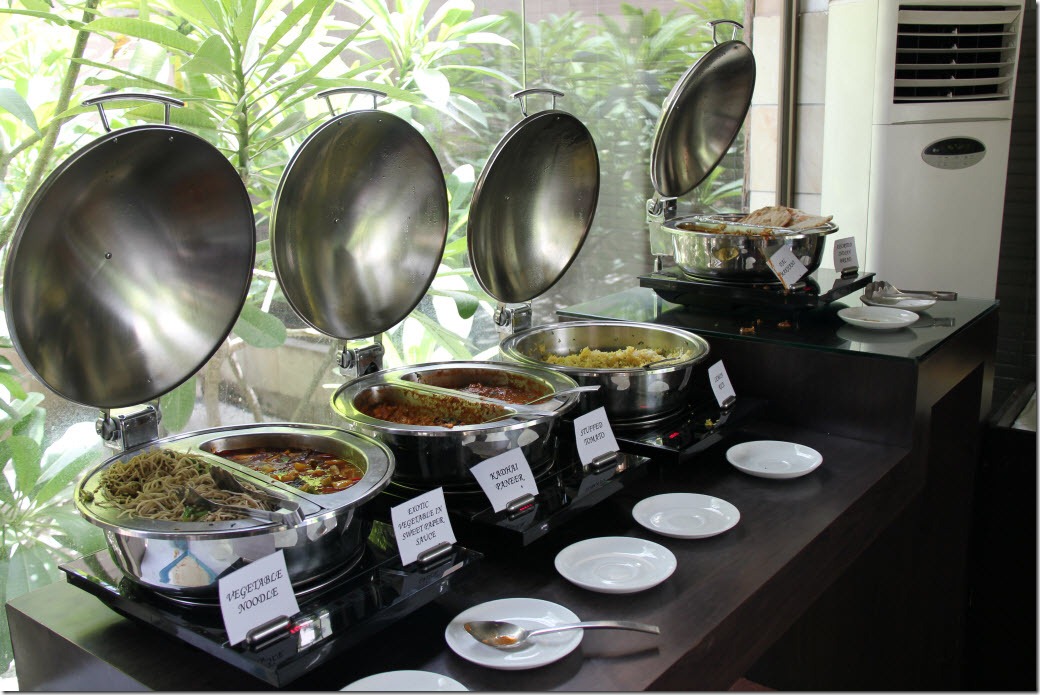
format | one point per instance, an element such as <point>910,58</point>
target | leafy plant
<point>39,525</point>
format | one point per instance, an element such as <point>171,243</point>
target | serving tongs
<point>285,511</point>
<point>880,289</point>
<point>193,498</point>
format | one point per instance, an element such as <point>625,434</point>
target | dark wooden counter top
<point>729,598</point>
<point>852,577</point>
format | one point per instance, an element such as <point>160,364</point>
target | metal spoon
<point>562,392</point>
<point>193,498</point>
<point>523,411</point>
<point>667,361</point>
<point>503,635</point>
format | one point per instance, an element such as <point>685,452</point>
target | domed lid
<point>701,116</point>
<point>533,204</point>
<point>359,223</point>
<point>130,264</point>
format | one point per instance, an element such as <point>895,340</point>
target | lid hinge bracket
<point>127,428</point>
<point>658,211</point>
<point>513,319</point>
<point>355,362</point>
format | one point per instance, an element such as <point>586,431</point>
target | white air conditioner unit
<point>917,121</point>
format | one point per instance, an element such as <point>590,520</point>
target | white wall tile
<point>808,202</point>
<point>766,48</point>
<point>761,199</point>
<point>809,155</point>
<point>762,148</point>
<point>812,58</point>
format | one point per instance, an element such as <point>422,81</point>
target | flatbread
<point>772,216</point>
<point>800,220</point>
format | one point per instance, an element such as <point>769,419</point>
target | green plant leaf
<point>6,498</point>
<point>66,458</point>
<point>29,567</point>
<point>243,26</point>
<point>259,328</point>
<point>77,533</point>
<point>454,344</point>
<point>18,410</point>
<point>465,303</point>
<point>13,102</point>
<point>13,386</point>
<point>433,84</point>
<point>149,31</point>
<point>178,405</point>
<point>24,455</point>
<point>487,37</point>
<point>195,11</point>
<point>46,16</point>
<point>32,425</point>
<point>212,58</point>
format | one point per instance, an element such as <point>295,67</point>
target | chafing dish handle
<point>265,635</point>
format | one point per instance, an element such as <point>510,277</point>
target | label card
<point>421,523</point>
<point>845,254</point>
<point>720,385</point>
<point>256,594</point>
<point>505,478</point>
<point>593,435</point>
<point>786,266</point>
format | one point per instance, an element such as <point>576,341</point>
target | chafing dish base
<point>374,593</point>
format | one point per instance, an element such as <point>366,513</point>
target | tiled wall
<point>764,114</point>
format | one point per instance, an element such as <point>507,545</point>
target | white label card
<point>256,594</point>
<point>720,385</point>
<point>421,523</point>
<point>845,254</point>
<point>593,435</point>
<point>505,477</point>
<point>786,266</point>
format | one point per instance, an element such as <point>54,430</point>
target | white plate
<point>915,305</point>
<point>401,681</point>
<point>530,613</point>
<point>877,318</point>
<point>686,515</point>
<point>773,459</point>
<point>615,564</point>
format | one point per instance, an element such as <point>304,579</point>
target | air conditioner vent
<point>955,53</point>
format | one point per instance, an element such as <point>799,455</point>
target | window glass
<point>450,69</point>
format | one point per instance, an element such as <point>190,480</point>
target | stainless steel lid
<point>533,204</point>
<point>130,264</point>
<point>359,223</point>
<point>701,116</point>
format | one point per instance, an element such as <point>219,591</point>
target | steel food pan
<point>431,455</point>
<point>629,395</point>
<point>187,558</point>
<point>721,248</point>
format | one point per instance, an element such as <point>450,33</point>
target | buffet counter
<point>850,577</point>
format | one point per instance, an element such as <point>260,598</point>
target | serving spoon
<point>504,635</point>
<point>522,410</point>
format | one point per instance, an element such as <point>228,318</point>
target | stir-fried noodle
<point>148,486</point>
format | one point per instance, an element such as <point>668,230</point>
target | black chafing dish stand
<point>817,289</point>
<point>340,613</point>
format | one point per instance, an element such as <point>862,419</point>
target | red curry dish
<point>311,471</point>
